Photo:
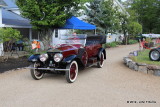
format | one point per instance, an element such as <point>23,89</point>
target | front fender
<point>69,58</point>
<point>104,52</point>
<point>34,58</point>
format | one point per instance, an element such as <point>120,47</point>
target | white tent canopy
<point>152,35</point>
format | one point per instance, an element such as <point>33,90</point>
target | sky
<point>123,0</point>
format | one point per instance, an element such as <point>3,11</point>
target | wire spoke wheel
<point>101,61</point>
<point>154,55</point>
<point>36,74</point>
<point>72,72</point>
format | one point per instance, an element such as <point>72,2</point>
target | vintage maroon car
<point>75,52</point>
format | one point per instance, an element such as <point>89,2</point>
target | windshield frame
<point>73,39</point>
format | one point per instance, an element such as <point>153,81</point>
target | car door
<point>95,48</point>
<point>89,48</point>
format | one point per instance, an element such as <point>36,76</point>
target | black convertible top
<point>101,39</point>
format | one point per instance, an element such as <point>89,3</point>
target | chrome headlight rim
<point>58,57</point>
<point>43,57</point>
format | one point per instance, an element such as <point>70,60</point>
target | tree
<point>8,36</point>
<point>124,20</point>
<point>110,16</point>
<point>103,14</point>
<point>134,28</point>
<point>47,15</point>
<point>94,12</point>
<point>147,12</point>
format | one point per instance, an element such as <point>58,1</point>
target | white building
<point>10,17</point>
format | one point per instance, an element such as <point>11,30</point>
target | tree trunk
<point>125,40</point>
<point>46,37</point>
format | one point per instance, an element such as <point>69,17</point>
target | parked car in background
<point>78,51</point>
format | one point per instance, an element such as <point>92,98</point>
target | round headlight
<point>58,57</point>
<point>43,57</point>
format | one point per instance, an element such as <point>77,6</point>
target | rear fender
<point>34,58</point>
<point>104,52</point>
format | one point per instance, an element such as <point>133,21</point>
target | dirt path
<point>111,86</point>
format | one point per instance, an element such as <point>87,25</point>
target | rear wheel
<point>72,72</point>
<point>154,55</point>
<point>36,74</point>
<point>100,61</point>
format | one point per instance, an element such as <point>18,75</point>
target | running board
<point>90,65</point>
<point>51,69</point>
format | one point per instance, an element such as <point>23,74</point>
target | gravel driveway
<point>114,85</point>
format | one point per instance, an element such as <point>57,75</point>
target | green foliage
<point>102,14</point>
<point>148,14</point>
<point>47,14</point>
<point>124,20</point>
<point>110,16</point>
<point>9,34</point>
<point>94,11</point>
<point>143,57</point>
<point>134,28</point>
<point>131,41</point>
<point>148,40</point>
<point>111,45</point>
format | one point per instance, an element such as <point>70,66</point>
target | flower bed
<point>143,57</point>
<point>14,63</point>
<point>139,61</point>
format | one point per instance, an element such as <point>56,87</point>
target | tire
<point>72,73</point>
<point>154,55</point>
<point>37,75</point>
<point>100,61</point>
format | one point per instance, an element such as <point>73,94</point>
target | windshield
<point>73,39</point>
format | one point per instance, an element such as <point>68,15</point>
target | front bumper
<point>50,69</point>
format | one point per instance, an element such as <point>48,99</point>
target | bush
<point>112,44</point>
<point>118,43</point>
<point>131,41</point>
<point>8,36</point>
<point>148,40</point>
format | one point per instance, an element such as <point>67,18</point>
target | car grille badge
<point>51,64</point>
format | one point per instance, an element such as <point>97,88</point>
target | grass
<point>143,57</point>
<point>111,45</point>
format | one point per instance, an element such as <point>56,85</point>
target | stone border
<point>142,67</point>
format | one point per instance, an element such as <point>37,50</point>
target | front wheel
<point>36,74</point>
<point>100,61</point>
<point>72,72</point>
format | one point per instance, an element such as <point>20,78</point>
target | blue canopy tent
<point>75,23</point>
